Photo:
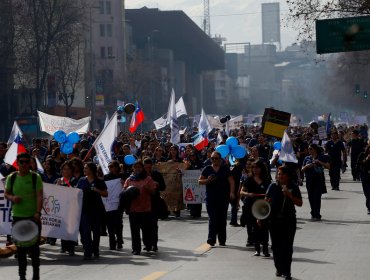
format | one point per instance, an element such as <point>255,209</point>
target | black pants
<point>195,210</point>
<point>334,173</point>
<point>34,252</point>
<point>282,238</point>
<point>217,220</point>
<point>90,234</point>
<point>115,228</point>
<point>365,181</point>
<point>354,171</point>
<point>314,197</point>
<point>140,221</point>
<point>260,236</point>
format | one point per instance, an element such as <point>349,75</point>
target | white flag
<point>287,153</point>
<point>204,124</point>
<point>164,121</point>
<point>180,107</point>
<point>172,119</point>
<point>14,133</point>
<point>104,142</point>
<point>161,122</point>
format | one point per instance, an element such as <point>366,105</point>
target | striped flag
<point>15,148</point>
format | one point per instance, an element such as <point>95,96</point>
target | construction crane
<point>207,19</point>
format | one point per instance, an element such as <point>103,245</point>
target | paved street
<point>336,248</point>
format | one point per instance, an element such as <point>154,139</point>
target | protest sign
<point>111,202</point>
<point>172,177</point>
<point>193,193</point>
<point>275,122</point>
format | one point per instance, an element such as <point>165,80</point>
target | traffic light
<point>365,94</point>
<point>357,89</point>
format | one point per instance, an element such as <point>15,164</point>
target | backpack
<point>14,175</point>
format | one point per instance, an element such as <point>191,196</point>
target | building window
<point>101,7</point>
<point>110,52</point>
<point>109,30</point>
<point>102,30</point>
<point>102,52</point>
<point>108,7</point>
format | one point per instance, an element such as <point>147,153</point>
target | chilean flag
<point>201,140</point>
<point>137,118</point>
<point>16,148</point>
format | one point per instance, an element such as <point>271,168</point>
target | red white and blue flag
<point>15,148</point>
<point>201,139</point>
<point>137,118</point>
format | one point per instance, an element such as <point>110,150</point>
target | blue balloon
<point>232,141</point>
<point>238,151</point>
<point>223,150</point>
<point>130,159</point>
<point>277,145</point>
<point>60,136</point>
<point>120,110</point>
<point>66,148</point>
<point>73,137</point>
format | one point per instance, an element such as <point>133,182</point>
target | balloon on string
<point>73,137</point>
<point>232,141</point>
<point>223,150</point>
<point>129,159</point>
<point>277,145</point>
<point>129,108</point>
<point>60,136</point>
<point>238,151</point>
<point>120,110</point>
<point>66,148</point>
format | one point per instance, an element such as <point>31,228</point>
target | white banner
<point>50,124</point>
<point>112,200</point>
<point>193,193</point>
<point>322,132</point>
<point>5,212</point>
<point>61,212</point>
<point>234,123</point>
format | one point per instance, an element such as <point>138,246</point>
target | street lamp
<point>92,72</point>
<point>150,56</point>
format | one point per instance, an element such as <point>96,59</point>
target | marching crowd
<point>237,185</point>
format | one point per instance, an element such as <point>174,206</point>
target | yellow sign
<point>274,129</point>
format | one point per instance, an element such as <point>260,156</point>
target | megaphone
<point>129,108</point>
<point>261,209</point>
<point>25,233</point>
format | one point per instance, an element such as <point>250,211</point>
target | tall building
<point>270,23</point>
<point>104,65</point>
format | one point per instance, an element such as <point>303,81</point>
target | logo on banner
<point>51,205</point>
<point>189,195</point>
<point>52,208</point>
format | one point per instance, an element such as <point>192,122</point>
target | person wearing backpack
<point>25,190</point>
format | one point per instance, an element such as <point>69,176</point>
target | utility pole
<point>207,19</point>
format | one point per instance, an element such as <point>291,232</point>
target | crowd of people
<point>247,180</point>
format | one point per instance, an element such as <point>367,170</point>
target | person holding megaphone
<point>283,196</point>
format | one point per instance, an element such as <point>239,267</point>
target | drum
<point>25,233</point>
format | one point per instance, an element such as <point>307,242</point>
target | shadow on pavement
<point>310,261</point>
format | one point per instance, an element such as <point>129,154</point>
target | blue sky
<point>237,20</point>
